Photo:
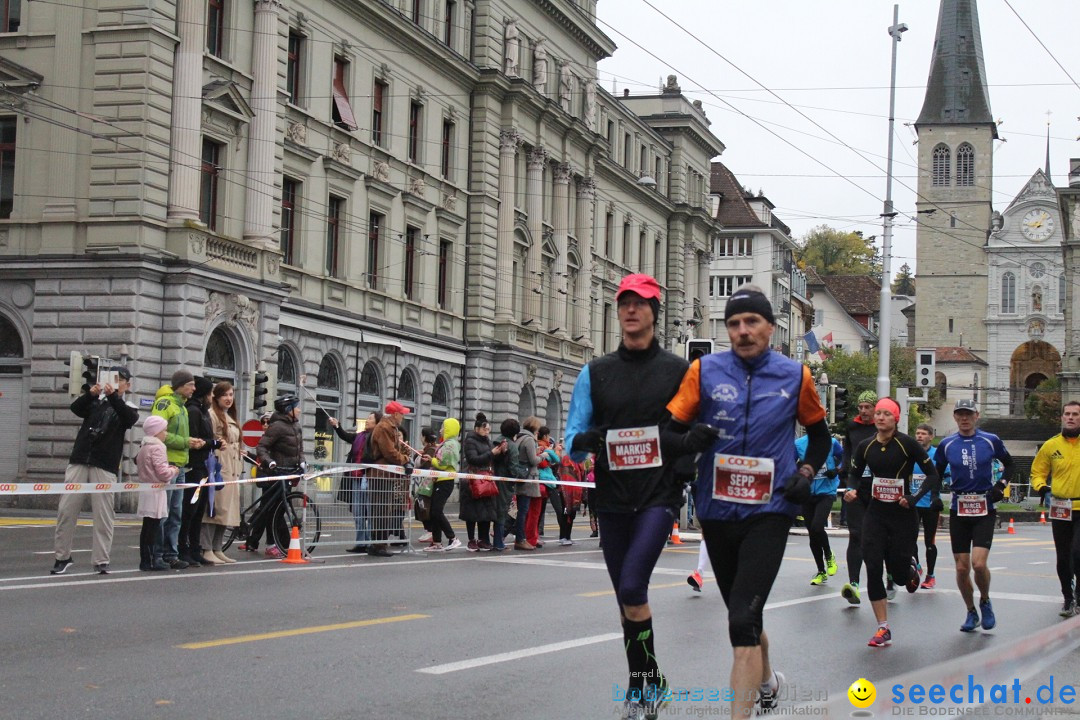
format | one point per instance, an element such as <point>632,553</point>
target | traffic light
<point>695,349</point>
<point>75,373</point>
<point>89,371</point>
<point>840,404</point>
<point>924,367</point>
<point>259,389</point>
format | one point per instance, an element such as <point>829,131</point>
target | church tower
<point>956,133</point>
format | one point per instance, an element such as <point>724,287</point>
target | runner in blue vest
<point>929,507</point>
<point>748,488</point>
<point>816,512</point>
<point>969,455</point>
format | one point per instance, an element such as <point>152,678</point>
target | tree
<point>1044,403</point>
<point>858,372</point>
<point>904,284</point>
<point>833,252</point>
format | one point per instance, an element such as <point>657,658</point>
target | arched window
<point>1008,293</point>
<point>440,401</point>
<point>11,346</point>
<point>219,362</point>
<point>406,395</point>
<point>965,165</point>
<point>329,395</point>
<point>942,159</point>
<point>942,385</point>
<point>287,376</point>
<point>369,394</point>
<point>553,414</point>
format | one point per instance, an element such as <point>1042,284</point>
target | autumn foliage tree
<point>834,252</point>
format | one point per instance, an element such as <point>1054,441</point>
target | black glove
<point>1044,493</point>
<point>936,505</point>
<point>700,438</point>
<point>910,500</point>
<point>830,474</point>
<point>797,489</point>
<point>408,468</point>
<point>590,441</point>
<point>997,493</point>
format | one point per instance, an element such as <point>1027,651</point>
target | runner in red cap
<point>618,412</point>
<point>891,525</point>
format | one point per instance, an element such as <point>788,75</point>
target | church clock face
<point>1037,225</point>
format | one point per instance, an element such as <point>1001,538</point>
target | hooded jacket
<point>199,426</point>
<point>282,443</point>
<point>100,440</point>
<point>169,405</point>
<point>448,457</point>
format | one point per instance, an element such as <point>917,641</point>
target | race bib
<point>743,479</point>
<point>1060,508</point>
<point>888,490</point>
<point>971,505</point>
<point>916,483</point>
<point>633,448</point>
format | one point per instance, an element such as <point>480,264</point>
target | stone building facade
<point>427,200</point>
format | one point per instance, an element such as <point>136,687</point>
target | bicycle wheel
<point>282,523</point>
<point>232,534</point>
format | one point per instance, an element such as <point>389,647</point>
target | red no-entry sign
<point>252,432</point>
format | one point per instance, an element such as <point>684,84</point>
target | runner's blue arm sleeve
<point>581,412</point>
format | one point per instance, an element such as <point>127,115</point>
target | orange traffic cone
<point>295,557</point>
<point>1042,517</point>
<point>675,539</point>
<point>1012,528</point>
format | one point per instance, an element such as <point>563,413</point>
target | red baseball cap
<point>395,407</point>
<point>644,285</point>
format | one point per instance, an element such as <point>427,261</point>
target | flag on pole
<point>811,342</point>
<point>827,340</point>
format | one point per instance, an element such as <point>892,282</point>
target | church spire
<point>1048,176</point>
<point>956,92</point>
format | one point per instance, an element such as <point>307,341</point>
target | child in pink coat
<point>154,467</point>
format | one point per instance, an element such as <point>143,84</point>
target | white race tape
<point>62,488</point>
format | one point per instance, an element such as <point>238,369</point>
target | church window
<point>965,165</point>
<point>941,161</point>
<point>1008,293</point>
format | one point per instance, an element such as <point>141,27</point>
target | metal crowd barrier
<point>368,507</point>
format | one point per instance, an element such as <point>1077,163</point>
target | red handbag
<point>482,487</point>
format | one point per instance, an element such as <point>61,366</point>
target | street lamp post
<point>885,311</point>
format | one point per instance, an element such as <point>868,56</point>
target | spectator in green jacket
<point>169,403</point>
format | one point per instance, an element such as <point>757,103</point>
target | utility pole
<point>885,311</point>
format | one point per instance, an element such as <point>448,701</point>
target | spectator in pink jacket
<point>154,467</point>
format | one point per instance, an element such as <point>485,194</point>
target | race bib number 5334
<point>742,479</point>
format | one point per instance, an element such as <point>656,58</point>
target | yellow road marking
<point>604,593</point>
<point>298,631</point>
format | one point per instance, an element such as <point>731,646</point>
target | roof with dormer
<point>733,211</point>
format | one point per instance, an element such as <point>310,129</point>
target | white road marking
<point>1056,600</point>
<point>51,552</point>
<point>1040,562</point>
<point>517,654</point>
<point>999,567</point>
<point>799,601</point>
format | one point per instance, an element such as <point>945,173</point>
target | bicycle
<point>281,509</point>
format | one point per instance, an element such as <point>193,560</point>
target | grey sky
<point>830,59</point>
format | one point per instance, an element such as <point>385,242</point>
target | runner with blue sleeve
<point>969,455</point>
<point>816,511</point>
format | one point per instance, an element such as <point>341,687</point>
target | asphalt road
<point>476,635</point>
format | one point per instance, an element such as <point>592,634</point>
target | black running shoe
<point>60,566</point>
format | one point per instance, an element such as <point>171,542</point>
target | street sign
<point>252,432</point>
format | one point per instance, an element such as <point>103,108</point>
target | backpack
<point>367,455</point>
<point>516,467</point>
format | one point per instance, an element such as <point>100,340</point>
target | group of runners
<point>640,408</point>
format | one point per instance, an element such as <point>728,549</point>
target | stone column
<point>534,207</point>
<point>561,221</point>
<point>186,152</point>
<point>509,141</point>
<point>586,214</point>
<point>261,178</point>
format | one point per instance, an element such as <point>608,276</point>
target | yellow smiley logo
<point>862,693</point>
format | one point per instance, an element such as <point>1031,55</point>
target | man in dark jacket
<point>281,445</point>
<point>198,412</point>
<point>95,458</point>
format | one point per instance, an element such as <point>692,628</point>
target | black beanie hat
<point>749,301</point>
